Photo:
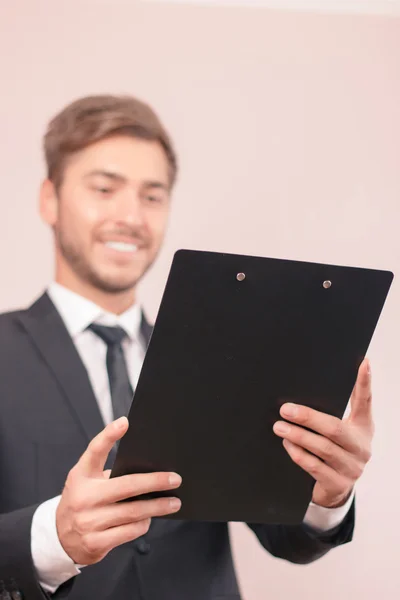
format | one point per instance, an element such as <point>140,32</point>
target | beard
<point>77,261</point>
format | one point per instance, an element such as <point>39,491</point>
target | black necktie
<point>120,387</point>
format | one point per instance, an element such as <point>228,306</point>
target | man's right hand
<point>90,519</point>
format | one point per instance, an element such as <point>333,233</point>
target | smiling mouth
<point>122,247</point>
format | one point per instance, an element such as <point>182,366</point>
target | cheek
<point>90,212</point>
<point>157,224</point>
<point>80,217</point>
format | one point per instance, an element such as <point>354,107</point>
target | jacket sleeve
<point>300,543</point>
<point>17,571</point>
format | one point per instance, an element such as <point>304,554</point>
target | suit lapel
<point>48,333</point>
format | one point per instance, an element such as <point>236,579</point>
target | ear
<point>48,203</point>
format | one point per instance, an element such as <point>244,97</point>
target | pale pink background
<point>288,130</point>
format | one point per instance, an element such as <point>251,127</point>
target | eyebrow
<point>122,179</point>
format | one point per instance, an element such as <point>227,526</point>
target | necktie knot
<point>112,336</point>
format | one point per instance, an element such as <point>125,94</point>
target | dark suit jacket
<point>48,415</point>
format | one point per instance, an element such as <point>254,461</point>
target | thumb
<point>361,399</point>
<point>92,461</point>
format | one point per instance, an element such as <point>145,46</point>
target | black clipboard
<point>236,337</point>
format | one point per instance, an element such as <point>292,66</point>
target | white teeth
<point>122,246</point>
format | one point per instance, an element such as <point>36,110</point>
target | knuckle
<point>296,455</point>
<point>73,481</point>
<point>161,481</point>
<point>94,446</point>
<point>327,449</point>
<point>83,523</point>
<point>298,435</point>
<point>77,501</point>
<point>361,447</point>
<point>72,475</point>
<point>134,512</point>
<point>90,547</point>
<point>337,429</point>
<point>304,415</point>
<point>346,484</point>
<point>314,467</point>
<point>358,470</point>
<point>143,526</point>
<point>134,479</point>
<point>366,454</point>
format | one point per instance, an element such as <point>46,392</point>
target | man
<point>67,367</point>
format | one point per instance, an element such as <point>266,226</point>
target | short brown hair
<point>94,118</point>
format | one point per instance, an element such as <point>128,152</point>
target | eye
<point>156,198</point>
<point>103,191</point>
<point>153,198</point>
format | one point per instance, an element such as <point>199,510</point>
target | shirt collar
<point>78,313</point>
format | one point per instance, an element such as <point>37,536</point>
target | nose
<point>129,209</point>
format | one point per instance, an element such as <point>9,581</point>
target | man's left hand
<point>336,451</point>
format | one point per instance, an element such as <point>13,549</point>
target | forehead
<point>134,159</point>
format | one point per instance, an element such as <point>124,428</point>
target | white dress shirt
<point>52,564</point>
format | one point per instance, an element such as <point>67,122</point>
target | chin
<point>116,283</point>
<point>111,286</point>
<point>114,278</point>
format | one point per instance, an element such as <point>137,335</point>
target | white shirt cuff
<point>52,563</point>
<point>323,519</point>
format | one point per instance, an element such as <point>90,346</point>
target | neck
<point>115,303</point>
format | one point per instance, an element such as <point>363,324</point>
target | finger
<point>130,486</point>
<point>361,399</point>
<point>333,455</point>
<point>99,543</point>
<point>328,478</point>
<point>115,515</point>
<point>92,461</point>
<point>334,429</point>
<point>107,473</point>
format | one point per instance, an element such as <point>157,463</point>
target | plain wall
<point>288,128</point>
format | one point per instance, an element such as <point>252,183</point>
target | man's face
<point>112,212</point>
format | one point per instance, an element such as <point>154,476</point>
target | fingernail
<point>290,410</point>
<point>120,423</point>
<point>368,367</point>
<point>175,479</point>
<point>288,445</point>
<point>282,428</point>
<point>175,503</point>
